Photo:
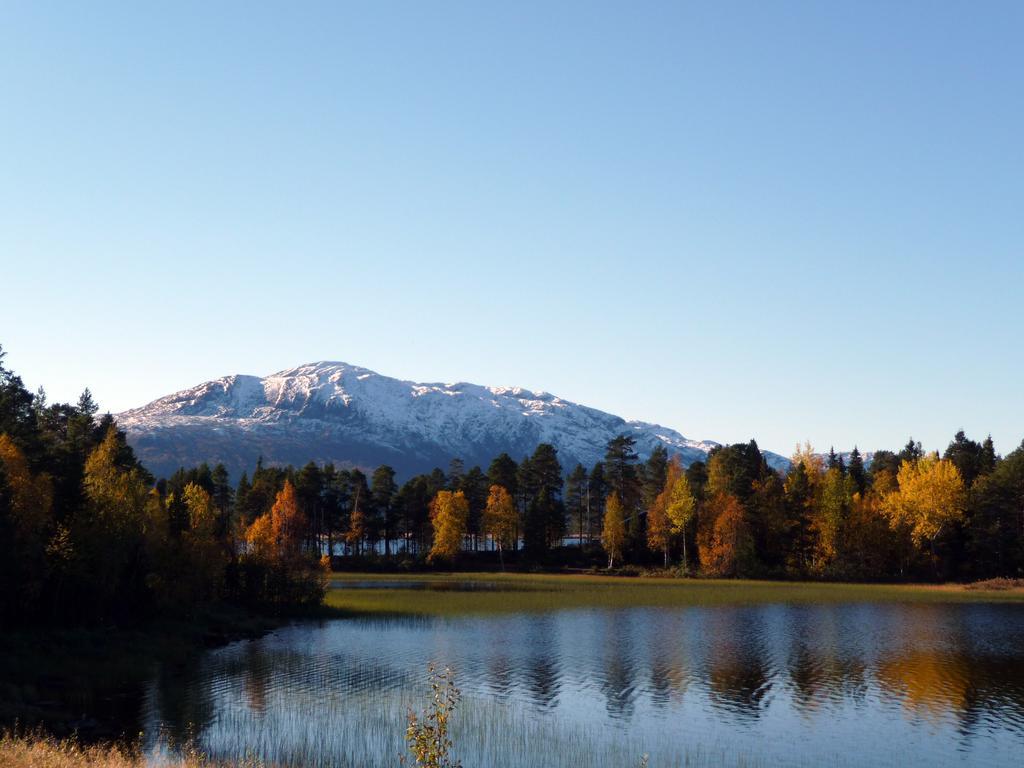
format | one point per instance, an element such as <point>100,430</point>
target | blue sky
<point>782,220</point>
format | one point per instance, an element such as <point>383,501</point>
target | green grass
<point>508,593</point>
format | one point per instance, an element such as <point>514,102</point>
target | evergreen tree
<point>383,490</point>
<point>577,500</point>
<point>476,489</point>
<point>911,451</point>
<point>503,471</point>
<point>456,471</point>
<point>987,461</point>
<point>833,459</point>
<point>598,493</point>
<point>856,471</point>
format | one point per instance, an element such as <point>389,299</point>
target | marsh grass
<point>40,751</point>
<point>437,595</point>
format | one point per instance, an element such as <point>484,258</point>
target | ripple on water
<point>859,684</point>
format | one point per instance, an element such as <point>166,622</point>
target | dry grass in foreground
<point>37,751</point>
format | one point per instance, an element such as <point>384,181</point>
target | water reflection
<point>865,684</point>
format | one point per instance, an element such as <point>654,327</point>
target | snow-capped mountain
<point>355,417</point>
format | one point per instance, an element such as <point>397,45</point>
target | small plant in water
<point>427,734</point>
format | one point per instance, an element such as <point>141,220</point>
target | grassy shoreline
<point>445,594</point>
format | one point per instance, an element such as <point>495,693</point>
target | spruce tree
<point>576,498</point>
<point>856,471</point>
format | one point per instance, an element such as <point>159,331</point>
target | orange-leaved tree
<point>728,551</point>
<point>449,514</point>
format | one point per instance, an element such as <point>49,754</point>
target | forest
<point>87,533</point>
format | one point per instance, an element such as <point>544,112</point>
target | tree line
<point>901,515</point>
<point>87,534</point>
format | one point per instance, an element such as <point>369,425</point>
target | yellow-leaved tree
<point>30,509</point>
<point>660,529</point>
<point>108,541</point>
<point>500,520</point>
<point>681,508</point>
<point>929,499</point>
<point>449,514</point>
<point>613,534</point>
<point>204,554</point>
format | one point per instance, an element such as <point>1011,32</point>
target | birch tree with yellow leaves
<point>929,500</point>
<point>500,520</point>
<point>449,514</point>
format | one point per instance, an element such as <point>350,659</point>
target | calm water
<point>871,685</point>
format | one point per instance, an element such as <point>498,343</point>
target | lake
<point>874,684</point>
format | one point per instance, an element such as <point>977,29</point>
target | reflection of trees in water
<point>667,657</point>
<point>738,677</point>
<point>541,668</point>
<point>939,684</point>
<point>826,656</point>
<point>183,697</point>
<point>617,682</point>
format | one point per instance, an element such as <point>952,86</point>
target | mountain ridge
<point>350,415</point>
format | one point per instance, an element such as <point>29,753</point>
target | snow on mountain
<point>352,416</point>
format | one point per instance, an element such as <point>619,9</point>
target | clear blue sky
<point>781,220</point>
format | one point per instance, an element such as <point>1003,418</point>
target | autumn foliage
<point>278,566</point>
<point>449,514</point>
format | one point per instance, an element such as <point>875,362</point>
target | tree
<point>382,491</point>
<point>503,472</point>
<point>856,471</point>
<point>500,520</point>
<point>476,488</point>
<point>613,534</point>
<point>357,516</point>
<point>279,567</point>
<point>729,551</point>
<point>204,558</point>
<point>622,478</point>
<point>734,468</point>
<point>829,520</point>
<point>577,497</point>
<point>911,452</point>
<point>681,506</point>
<point>659,533</point>
<point>540,484</point>
<point>449,515</point>
<point>288,524</point>
<point>659,525</point>
<point>995,535</point>
<point>929,500</point>
<point>25,523</point>
<point>598,493</point>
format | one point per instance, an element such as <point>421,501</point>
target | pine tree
<point>988,459</point>
<point>856,471</point>
<point>577,499</point>
<point>598,493</point>
<point>382,492</point>
<point>503,471</point>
